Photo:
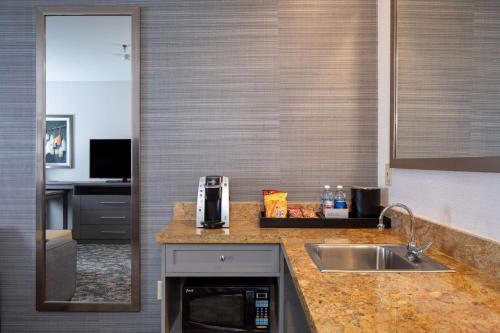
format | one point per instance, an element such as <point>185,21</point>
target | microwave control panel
<point>262,310</point>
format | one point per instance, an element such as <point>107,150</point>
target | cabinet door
<point>295,318</point>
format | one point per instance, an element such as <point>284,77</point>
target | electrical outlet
<point>158,290</point>
<point>388,175</point>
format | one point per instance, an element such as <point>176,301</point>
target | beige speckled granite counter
<point>464,301</point>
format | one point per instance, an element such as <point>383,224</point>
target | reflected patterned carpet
<point>103,273</point>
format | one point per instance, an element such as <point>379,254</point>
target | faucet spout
<point>413,251</point>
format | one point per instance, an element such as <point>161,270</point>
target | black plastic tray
<point>321,222</point>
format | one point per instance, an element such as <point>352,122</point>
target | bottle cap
<point>327,187</point>
<point>339,187</point>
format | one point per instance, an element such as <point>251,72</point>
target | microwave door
<point>205,328</point>
<point>215,310</point>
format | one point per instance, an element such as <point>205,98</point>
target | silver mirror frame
<point>41,303</point>
<point>477,164</point>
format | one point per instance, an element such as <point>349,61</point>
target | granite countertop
<point>464,301</point>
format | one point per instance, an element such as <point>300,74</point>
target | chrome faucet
<point>413,251</point>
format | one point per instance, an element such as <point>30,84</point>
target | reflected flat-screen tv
<point>110,158</point>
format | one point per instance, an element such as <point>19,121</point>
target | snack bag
<point>276,204</point>
<point>267,192</point>
<point>309,213</point>
<point>295,213</point>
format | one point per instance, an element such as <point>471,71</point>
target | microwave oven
<point>214,305</point>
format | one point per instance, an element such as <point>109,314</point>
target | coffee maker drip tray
<point>212,224</point>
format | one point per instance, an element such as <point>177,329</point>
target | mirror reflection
<point>88,96</point>
<point>447,80</point>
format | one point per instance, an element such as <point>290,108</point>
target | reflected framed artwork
<point>59,141</point>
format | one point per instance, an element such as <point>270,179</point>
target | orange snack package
<point>309,213</point>
<point>295,213</point>
<point>267,192</point>
<point>275,204</point>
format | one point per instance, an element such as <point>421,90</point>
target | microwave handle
<point>219,328</point>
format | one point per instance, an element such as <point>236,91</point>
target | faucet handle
<point>414,252</point>
<point>424,248</point>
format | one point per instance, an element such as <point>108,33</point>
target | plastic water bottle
<point>326,198</point>
<point>339,199</point>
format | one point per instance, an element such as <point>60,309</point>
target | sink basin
<point>369,258</point>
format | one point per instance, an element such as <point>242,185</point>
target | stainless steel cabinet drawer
<point>105,231</point>
<point>221,258</point>
<point>104,201</point>
<point>105,216</point>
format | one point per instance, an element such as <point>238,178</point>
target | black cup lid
<point>365,188</point>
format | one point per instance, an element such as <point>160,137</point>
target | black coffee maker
<point>212,209</point>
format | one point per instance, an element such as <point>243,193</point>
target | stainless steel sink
<point>369,258</point>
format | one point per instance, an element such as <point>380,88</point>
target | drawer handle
<point>113,232</point>
<point>112,202</point>
<point>112,217</point>
<point>222,258</point>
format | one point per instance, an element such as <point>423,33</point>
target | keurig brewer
<point>212,209</point>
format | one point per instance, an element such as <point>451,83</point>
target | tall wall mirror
<point>445,85</point>
<point>88,159</point>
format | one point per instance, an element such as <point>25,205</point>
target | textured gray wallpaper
<point>270,93</point>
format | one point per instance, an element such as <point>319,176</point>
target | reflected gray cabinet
<point>101,212</point>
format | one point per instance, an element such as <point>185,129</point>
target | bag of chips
<point>295,213</point>
<point>309,213</point>
<point>275,204</point>
<point>266,192</point>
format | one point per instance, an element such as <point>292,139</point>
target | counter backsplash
<point>478,252</point>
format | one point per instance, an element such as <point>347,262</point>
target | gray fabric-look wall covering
<point>270,93</point>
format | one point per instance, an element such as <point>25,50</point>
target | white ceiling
<point>87,48</point>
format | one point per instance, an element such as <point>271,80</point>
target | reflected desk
<point>101,210</point>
